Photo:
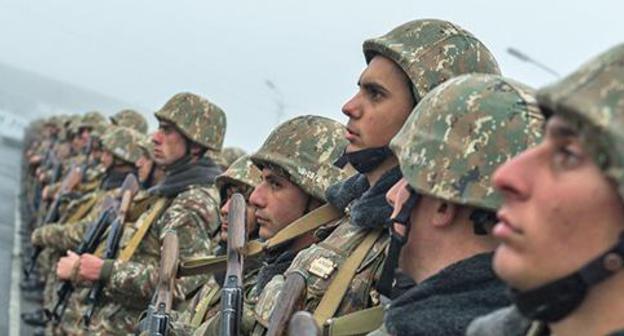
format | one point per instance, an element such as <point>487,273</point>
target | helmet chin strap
<point>556,300</point>
<point>397,240</point>
<point>365,160</point>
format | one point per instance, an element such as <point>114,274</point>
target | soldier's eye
<point>567,156</point>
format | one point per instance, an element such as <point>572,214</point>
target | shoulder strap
<point>360,322</point>
<point>146,222</point>
<point>82,209</point>
<point>338,288</point>
<point>310,222</point>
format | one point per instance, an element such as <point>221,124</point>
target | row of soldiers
<point>455,201</point>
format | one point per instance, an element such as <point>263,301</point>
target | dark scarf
<point>114,179</point>
<point>367,205</point>
<point>444,304</point>
<point>185,173</point>
<point>274,264</point>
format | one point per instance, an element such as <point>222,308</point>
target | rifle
<point>232,292</point>
<point>303,324</point>
<point>157,318</point>
<point>89,243</point>
<point>69,183</point>
<point>290,299</point>
<point>129,188</point>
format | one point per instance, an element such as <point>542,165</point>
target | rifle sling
<point>338,287</point>
<point>146,222</point>
<point>310,222</point>
<point>204,304</point>
<point>83,209</point>
<point>360,322</point>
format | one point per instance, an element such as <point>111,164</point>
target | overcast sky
<point>145,51</point>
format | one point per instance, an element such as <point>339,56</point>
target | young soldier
<point>562,217</point>
<point>191,130</point>
<point>241,177</point>
<point>296,163</point>
<point>403,66</point>
<point>444,206</point>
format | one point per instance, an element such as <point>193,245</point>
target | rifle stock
<point>232,292</point>
<point>303,324</point>
<point>157,318</point>
<point>290,299</point>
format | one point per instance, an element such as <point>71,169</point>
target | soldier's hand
<point>66,266</point>
<point>45,193</point>
<point>90,267</point>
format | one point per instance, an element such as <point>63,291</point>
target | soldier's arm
<point>61,237</point>
<point>139,281</point>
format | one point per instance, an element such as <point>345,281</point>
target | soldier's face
<point>144,166</point>
<point>169,144</point>
<point>250,213</point>
<point>559,210</point>
<point>278,202</point>
<point>380,106</point>
<point>106,159</point>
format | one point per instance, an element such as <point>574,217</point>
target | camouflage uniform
<point>591,99</point>
<point>448,149</point>
<point>429,52</point>
<point>304,148</point>
<point>190,208</point>
<point>206,303</point>
<point>229,155</point>
<point>67,235</point>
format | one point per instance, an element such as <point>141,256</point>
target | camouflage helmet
<point>231,154</point>
<point>130,118</point>
<point>593,98</point>
<point>432,51</point>
<point>306,147</point>
<point>241,171</point>
<point>461,132</point>
<point>147,146</point>
<point>198,119</point>
<point>95,121</point>
<point>123,143</point>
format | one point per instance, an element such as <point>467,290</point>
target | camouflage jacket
<point>130,285</point>
<point>336,248</point>
<point>67,235</point>
<point>208,300</point>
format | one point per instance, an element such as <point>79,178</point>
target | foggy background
<point>261,61</point>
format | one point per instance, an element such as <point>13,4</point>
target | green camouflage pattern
<point>198,119</point>
<point>306,147</point>
<point>130,285</point>
<point>593,98</point>
<point>432,51</point>
<point>231,154</point>
<point>131,119</point>
<point>337,247</point>
<point>96,121</point>
<point>461,132</point>
<point>147,146</point>
<point>124,143</point>
<point>242,171</point>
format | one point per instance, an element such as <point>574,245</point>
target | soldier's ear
<point>444,214</point>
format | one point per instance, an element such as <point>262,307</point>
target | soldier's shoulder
<point>204,194</point>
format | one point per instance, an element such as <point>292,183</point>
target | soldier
<point>444,206</point>
<point>562,217</point>
<point>241,177</point>
<point>403,66</point>
<point>130,118</point>
<point>186,201</point>
<point>120,154</point>
<point>296,163</point>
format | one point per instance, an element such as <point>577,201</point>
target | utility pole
<point>525,58</point>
